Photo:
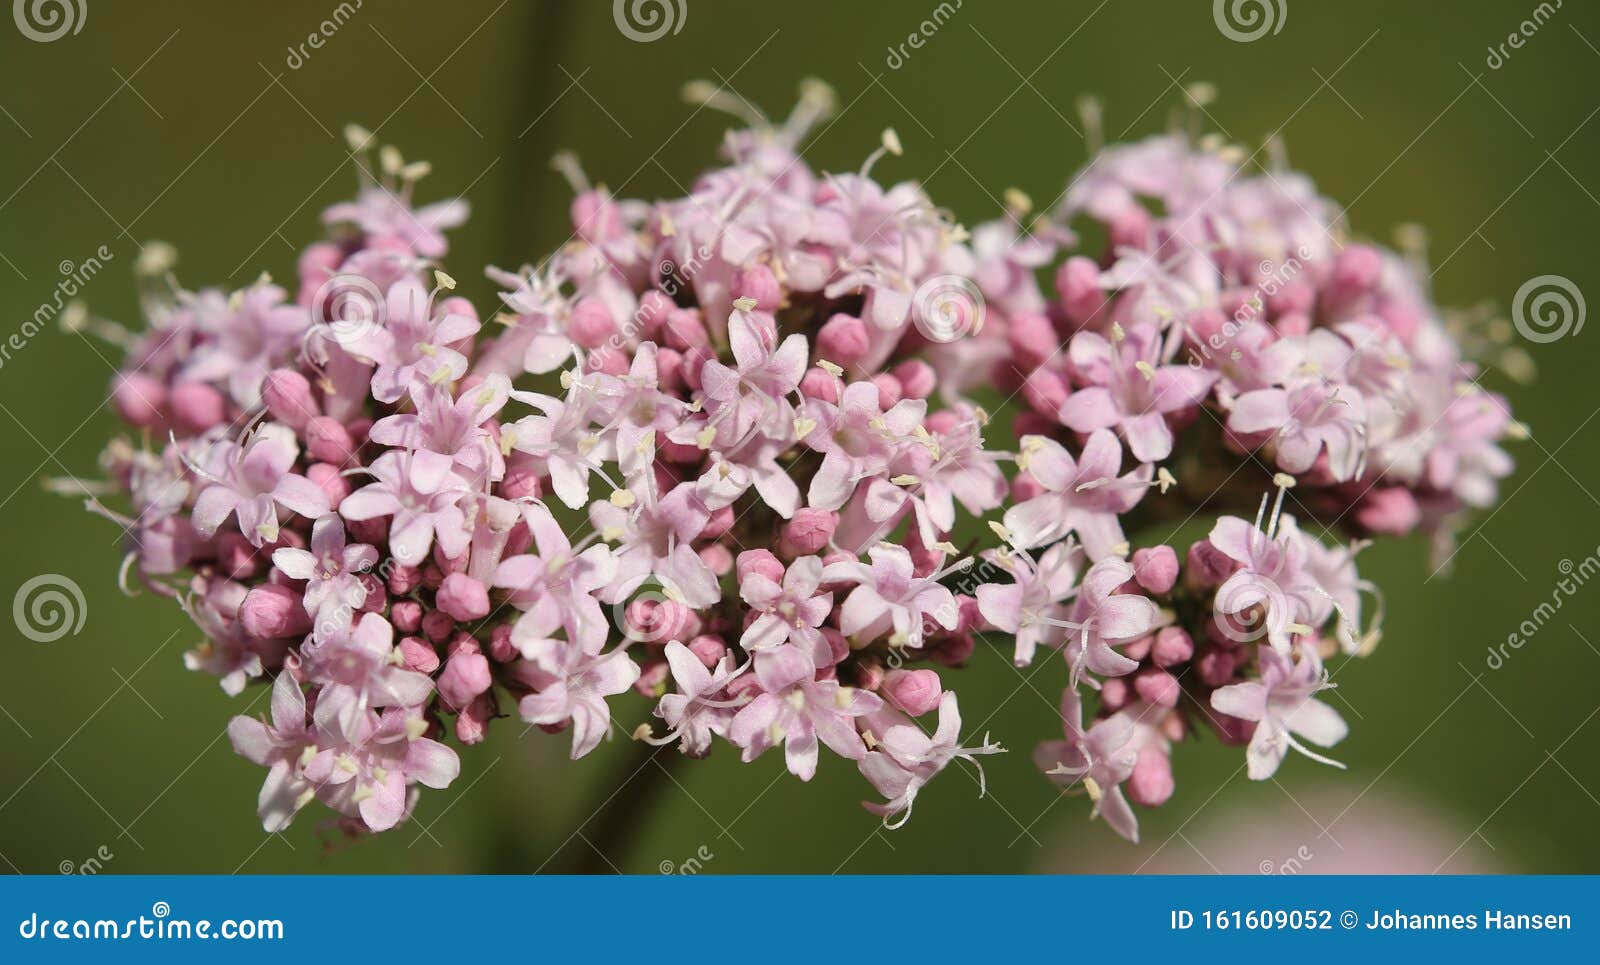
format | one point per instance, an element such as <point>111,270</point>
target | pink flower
<point>332,571</point>
<point>653,540</point>
<point>422,493</point>
<point>752,396</point>
<point>1033,607</point>
<point>370,777</point>
<point>889,599</point>
<point>787,614</point>
<point>251,481</point>
<point>1305,419</point>
<point>904,759</point>
<point>451,426</point>
<point>696,712</point>
<point>1101,757</point>
<point>254,335</point>
<point>358,672</point>
<point>279,747</point>
<point>857,439</point>
<point>578,694</point>
<point>1102,619</point>
<point>1283,703</point>
<point>555,588</point>
<point>1083,496</point>
<point>1129,388</point>
<point>798,717</point>
<point>381,213</point>
<point>410,339</point>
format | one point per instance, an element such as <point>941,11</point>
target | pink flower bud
<point>659,621</point>
<point>501,647</point>
<point>1208,566</point>
<point>685,331</point>
<point>1173,646</point>
<point>1293,323</point>
<point>843,340</point>
<point>708,649</point>
<point>1150,784</point>
<point>1215,667</point>
<point>1297,298</point>
<point>718,557</point>
<point>1356,270</point>
<point>838,646</point>
<point>289,398</point>
<point>669,369</point>
<point>1046,391</point>
<point>758,282</point>
<point>436,626</point>
<point>522,477</point>
<point>1158,687</point>
<point>463,597</point>
<point>197,407</point>
<point>654,307</point>
<point>889,391</point>
<point>591,323</point>
<point>1024,487</point>
<point>237,558</point>
<point>751,562</point>
<point>139,399</point>
<point>418,654</point>
<point>466,675</point>
<point>404,579</point>
<point>1078,284</point>
<point>329,480</point>
<point>472,724</point>
<point>1114,694</point>
<point>914,691</point>
<point>808,532</point>
<point>821,385</point>
<point>406,615</point>
<point>328,441</point>
<point>718,523</point>
<point>272,610</point>
<point>1129,227</point>
<point>1392,510</point>
<point>608,359</point>
<point>1156,568</point>
<point>1033,339</point>
<point>917,378</point>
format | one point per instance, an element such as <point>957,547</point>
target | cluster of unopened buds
<point>718,450</point>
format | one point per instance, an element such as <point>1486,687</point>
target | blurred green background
<point>188,122</point>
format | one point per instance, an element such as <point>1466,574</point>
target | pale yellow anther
<point>1117,334</point>
<point>803,426</point>
<point>830,368</point>
<point>439,377</point>
<point>1518,430</point>
<point>1145,369</point>
<point>390,158</point>
<point>1165,480</point>
<point>1000,530</point>
<point>1121,549</point>
<point>443,280</point>
<point>416,171</point>
<point>508,439</point>
<point>415,727</point>
<point>705,437</point>
<point>904,479</point>
<point>622,498</point>
<point>362,793</point>
<point>1018,201</point>
<point>844,697</point>
<point>1283,480</point>
<point>946,547</point>
<point>642,732</point>
<point>357,137</point>
<point>588,444</point>
<point>646,443</point>
<point>305,797</point>
<point>566,379</point>
<point>669,228</point>
<point>891,142</point>
<point>745,304</point>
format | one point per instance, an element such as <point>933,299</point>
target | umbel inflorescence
<point>719,450</point>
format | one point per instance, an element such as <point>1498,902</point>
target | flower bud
<point>197,406</point>
<point>843,340</point>
<point>914,691</point>
<point>273,610</point>
<point>466,675</point>
<point>463,597</point>
<point>1155,568</point>
<point>328,441</point>
<point>289,398</point>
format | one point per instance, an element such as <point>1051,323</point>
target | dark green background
<point>106,742</point>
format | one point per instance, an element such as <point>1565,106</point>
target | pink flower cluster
<point>716,449</point>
